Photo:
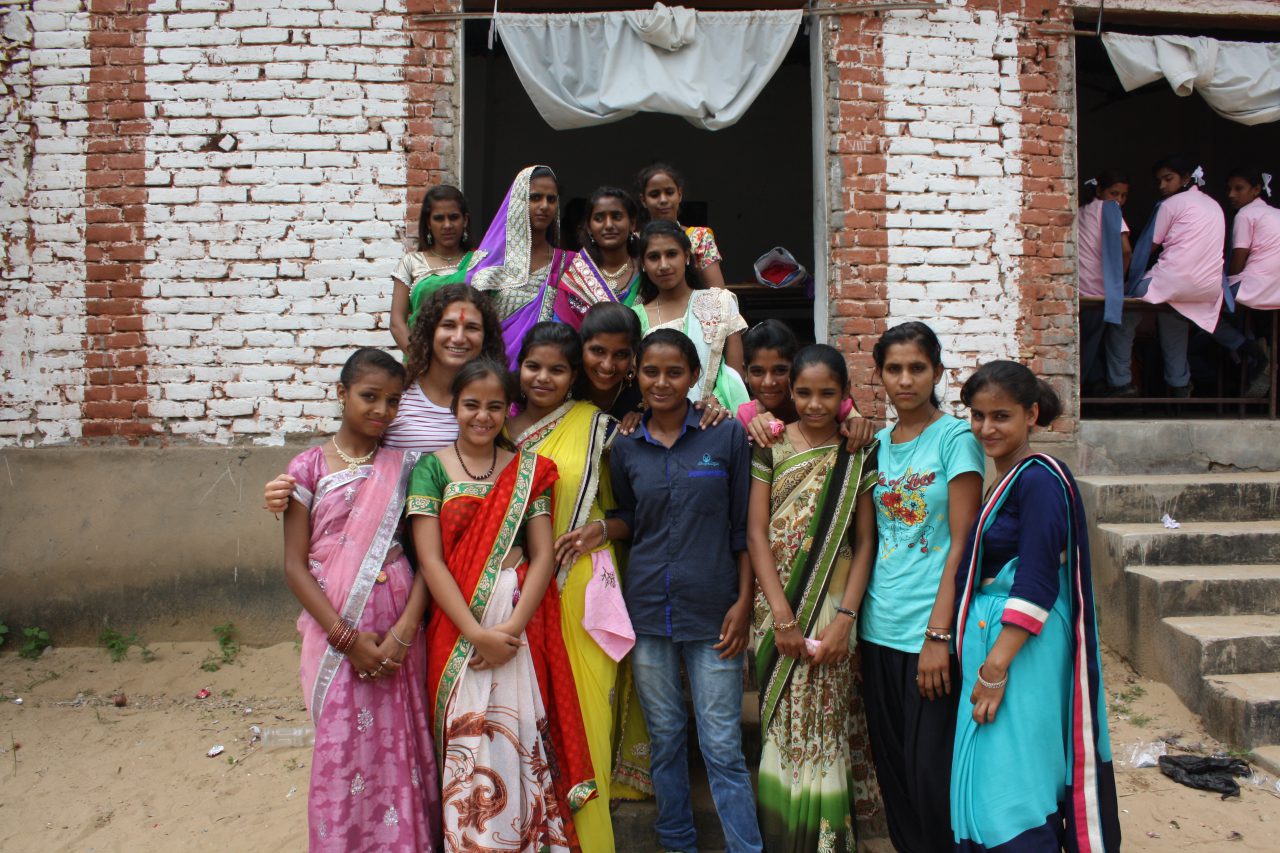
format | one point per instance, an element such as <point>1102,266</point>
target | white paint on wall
<point>43,90</point>
<point>276,176</point>
<point>954,189</point>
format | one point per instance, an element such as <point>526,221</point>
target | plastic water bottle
<point>288,737</point>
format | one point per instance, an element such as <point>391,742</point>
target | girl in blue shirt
<point>926,497</point>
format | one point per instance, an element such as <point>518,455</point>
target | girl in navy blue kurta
<point>1031,768</point>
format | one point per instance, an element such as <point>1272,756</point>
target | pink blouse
<point>1257,228</point>
<point>1089,247</point>
<point>1191,229</point>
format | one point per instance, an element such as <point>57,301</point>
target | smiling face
<point>662,197</point>
<point>908,376</point>
<point>1240,192</point>
<point>459,335</point>
<point>1000,423</point>
<point>447,223</point>
<point>609,225</point>
<point>607,359</point>
<point>545,376</point>
<point>544,202</point>
<point>1168,181</point>
<point>1117,192</point>
<point>481,410</point>
<point>370,404</point>
<point>769,379</point>
<point>665,262</point>
<point>817,395</point>
<point>664,378</point>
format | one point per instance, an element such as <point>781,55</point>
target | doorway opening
<point>752,183</point>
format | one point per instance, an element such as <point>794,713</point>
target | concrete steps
<point>1197,607</point>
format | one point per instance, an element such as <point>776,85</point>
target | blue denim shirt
<point>686,506</point>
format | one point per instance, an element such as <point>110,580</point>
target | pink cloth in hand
<point>605,615</point>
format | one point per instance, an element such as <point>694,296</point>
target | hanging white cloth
<point>593,68</point>
<point>1239,80</point>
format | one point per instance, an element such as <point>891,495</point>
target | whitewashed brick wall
<point>42,272</point>
<point>953,187</point>
<point>276,200</point>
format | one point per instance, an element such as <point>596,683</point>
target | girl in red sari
<point>501,696</point>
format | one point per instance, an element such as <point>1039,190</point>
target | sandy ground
<point>79,773</point>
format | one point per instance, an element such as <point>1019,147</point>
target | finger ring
<point>364,675</point>
<point>386,661</point>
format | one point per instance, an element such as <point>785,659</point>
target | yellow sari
<point>575,437</point>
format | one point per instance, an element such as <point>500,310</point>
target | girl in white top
<point>456,325</point>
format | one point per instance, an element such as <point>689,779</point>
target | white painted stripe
<point>1021,605</point>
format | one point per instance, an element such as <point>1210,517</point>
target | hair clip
<point>1092,182</point>
<point>1198,176</point>
<point>1266,183</point>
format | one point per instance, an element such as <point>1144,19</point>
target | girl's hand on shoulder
<point>733,631</point>
<point>833,642</point>
<point>761,429</point>
<point>630,422</point>
<point>933,671</point>
<point>791,643</point>
<point>275,495</point>
<point>365,655</point>
<point>986,701</point>
<point>858,431</point>
<point>493,648</point>
<point>712,412</point>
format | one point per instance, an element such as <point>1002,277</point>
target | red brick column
<point>857,286</point>
<point>1050,337</point>
<point>431,69</point>
<point>115,194</point>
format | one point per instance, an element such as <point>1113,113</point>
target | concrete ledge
<point>165,541</point>
<point>1176,447</point>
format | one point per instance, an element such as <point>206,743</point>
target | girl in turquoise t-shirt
<point>930,485</point>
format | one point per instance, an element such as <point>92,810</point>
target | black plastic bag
<point>1207,774</point>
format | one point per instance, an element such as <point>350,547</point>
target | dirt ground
<point>79,773</point>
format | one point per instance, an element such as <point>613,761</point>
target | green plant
<point>1140,720</point>
<point>117,644</point>
<point>49,675</point>
<point>228,647</point>
<point>36,641</point>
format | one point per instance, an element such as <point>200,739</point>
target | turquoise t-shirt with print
<point>913,530</point>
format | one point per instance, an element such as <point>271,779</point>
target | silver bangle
<point>396,637</point>
<point>604,531</point>
<point>992,685</point>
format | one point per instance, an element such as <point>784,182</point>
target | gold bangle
<point>781,627</point>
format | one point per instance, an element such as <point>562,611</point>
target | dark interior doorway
<point>1130,131</point>
<point>752,182</point>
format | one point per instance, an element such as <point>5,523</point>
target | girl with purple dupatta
<point>373,775</point>
<point>521,263</point>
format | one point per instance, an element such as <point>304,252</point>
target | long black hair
<point>443,192</point>
<point>1181,165</point>
<point>770,334</point>
<point>556,334</point>
<point>667,228</point>
<point>1252,175</point>
<point>911,332</point>
<point>1018,382</point>
<point>366,359</point>
<point>629,206</point>
<point>826,355</point>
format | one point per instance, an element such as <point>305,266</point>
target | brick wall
<point>219,189</point>
<point>952,153</point>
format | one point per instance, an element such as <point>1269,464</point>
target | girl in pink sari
<point>373,775</point>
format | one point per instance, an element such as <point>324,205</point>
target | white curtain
<point>587,69</point>
<point>1239,80</point>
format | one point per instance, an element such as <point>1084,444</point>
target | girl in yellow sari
<point>574,434</point>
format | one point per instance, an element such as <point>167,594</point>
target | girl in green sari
<point>444,255</point>
<point>811,536</point>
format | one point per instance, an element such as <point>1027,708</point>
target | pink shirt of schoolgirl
<point>1257,228</point>
<point>1089,247</point>
<point>1191,229</point>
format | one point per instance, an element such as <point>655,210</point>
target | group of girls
<point>1207,277</point>
<point>532,497</point>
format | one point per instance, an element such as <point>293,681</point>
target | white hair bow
<point>1092,182</point>
<point>1198,176</point>
<point>1266,183</point>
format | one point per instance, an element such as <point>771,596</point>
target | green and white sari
<point>816,774</point>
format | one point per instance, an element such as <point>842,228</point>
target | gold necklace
<point>450,261</point>
<point>657,306</point>
<point>353,462</point>
<point>616,274</point>
<point>811,444</point>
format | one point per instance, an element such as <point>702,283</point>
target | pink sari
<point>374,784</point>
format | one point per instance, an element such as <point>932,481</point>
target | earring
<point>431,239</point>
<point>466,235</point>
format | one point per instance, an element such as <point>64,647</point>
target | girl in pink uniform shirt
<point>1254,273</point>
<point>1098,340</point>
